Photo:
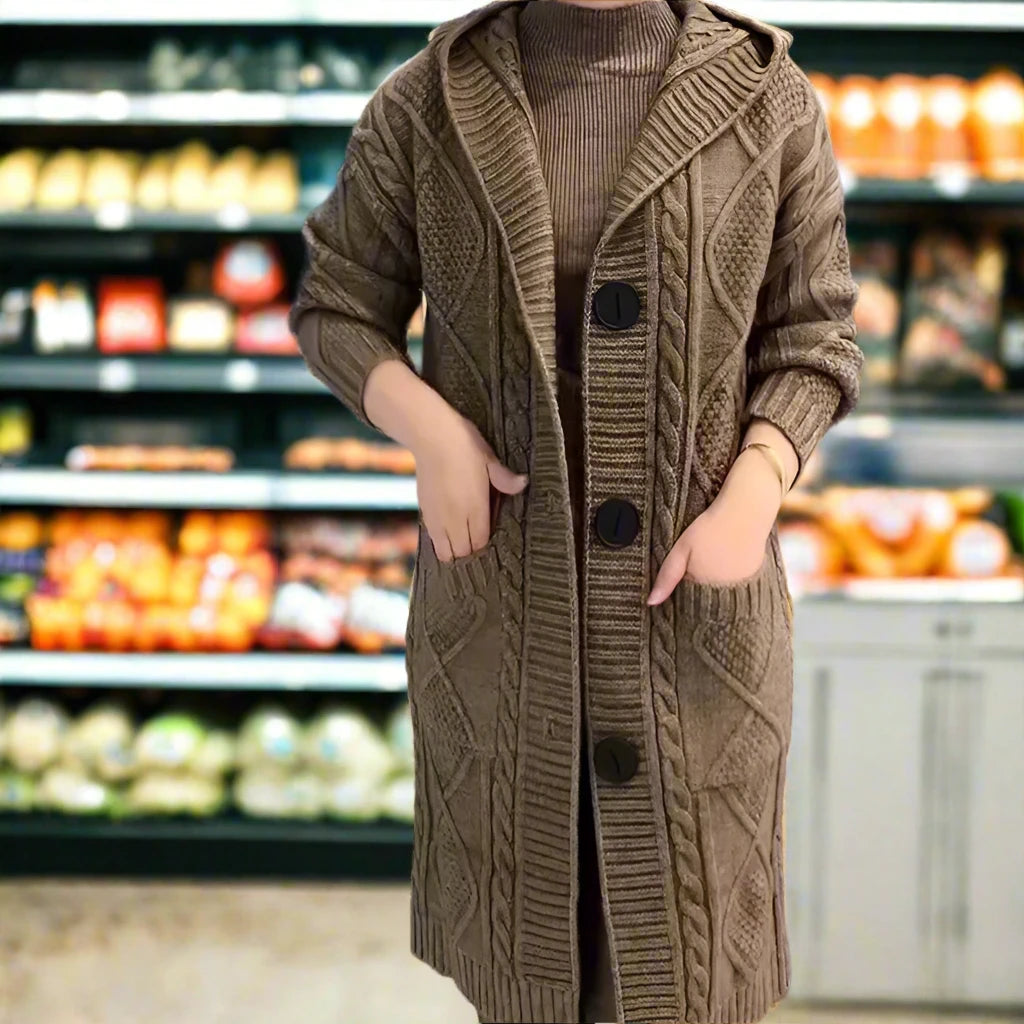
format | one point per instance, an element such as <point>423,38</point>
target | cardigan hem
<point>496,995</point>
<point>500,997</point>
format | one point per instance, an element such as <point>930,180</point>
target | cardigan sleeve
<point>361,284</point>
<point>803,360</point>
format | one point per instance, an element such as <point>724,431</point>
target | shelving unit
<point>123,219</point>
<point>228,107</point>
<point>228,848</point>
<point>881,14</point>
<point>327,673</point>
<point>241,490</point>
<point>283,376</point>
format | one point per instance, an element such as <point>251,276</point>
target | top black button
<point>617,305</point>
<point>616,760</point>
<point>617,523</point>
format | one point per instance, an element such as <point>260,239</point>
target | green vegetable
<point>169,742</point>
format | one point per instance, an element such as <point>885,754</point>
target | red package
<point>248,273</point>
<point>131,315</point>
<point>265,332</point>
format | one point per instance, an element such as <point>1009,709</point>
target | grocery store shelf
<point>930,590</point>
<point>334,673</point>
<point>119,217</point>
<point>938,190</point>
<point>880,14</point>
<point>123,218</point>
<point>229,106</point>
<point>230,847</point>
<point>243,489</point>
<point>169,372</point>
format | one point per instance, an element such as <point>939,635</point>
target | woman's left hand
<point>724,545</point>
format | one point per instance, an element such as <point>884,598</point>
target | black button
<point>617,523</point>
<point>617,305</point>
<point>616,760</point>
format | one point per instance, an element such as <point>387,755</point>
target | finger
<point>459,540</point>
<point>479,525</point>
<point>673,569</point>
<point>504,480</point>
<point>442,546</point>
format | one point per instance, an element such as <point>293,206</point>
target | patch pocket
<point>457,654</point>
<point>739,629</point>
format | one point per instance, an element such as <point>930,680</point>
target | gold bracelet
<point>773,458</point>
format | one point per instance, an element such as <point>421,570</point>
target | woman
<point>628,225</point>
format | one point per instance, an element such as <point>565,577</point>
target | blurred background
<point>205,756</point>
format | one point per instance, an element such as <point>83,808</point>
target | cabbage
<point>354,797</point>
<point>160,792</point>
<point>35,734</point>
<point>398,799</point>
<point>269,736</point>
<point>399,735</point>
<point>216,755</point>
<point>342,741</point>
<point>17,792</point>
<point>169,742</point>
<point>67,789</point>
<point>101,741</point>
<point>269,792</point>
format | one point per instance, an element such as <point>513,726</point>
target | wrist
<point>751,491</point>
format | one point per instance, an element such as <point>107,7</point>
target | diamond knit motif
<point>747,918</point>
<point>749,752</point>
<point>740,249</point>
<point>458,890</point>
<point>451,237</point>
<point>742,648</point>
<point>782,103</point>
<point>712,457</point>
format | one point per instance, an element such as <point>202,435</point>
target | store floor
<point>158,954</point>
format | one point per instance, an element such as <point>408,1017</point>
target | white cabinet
<point>905,814</point>
<point>994,968</point>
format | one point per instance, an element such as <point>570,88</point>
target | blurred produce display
<point>151,458</point>
<point>342,582</point>
<point>908,127</point>
<point>286,65</point>
<point>15,431</point>
<point>189,179</point>
<point>350,454</point>
<point>893,533</point>
<point>953,322</point>
<point>344,762</point>
<point>146,581</point>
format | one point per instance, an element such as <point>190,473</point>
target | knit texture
<point>726,217</point>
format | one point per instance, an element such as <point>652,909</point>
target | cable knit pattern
<point>443,190</point>
<point>509,545</point>
<point>682,825</point>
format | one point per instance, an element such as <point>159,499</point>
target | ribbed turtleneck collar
<point>590,34</point>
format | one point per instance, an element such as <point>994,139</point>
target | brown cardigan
<point>721,291</point>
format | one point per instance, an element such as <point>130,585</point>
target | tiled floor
<point>128,954</point>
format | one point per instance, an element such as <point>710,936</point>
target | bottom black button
<point>615,760</point>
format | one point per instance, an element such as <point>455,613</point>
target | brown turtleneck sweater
<point>590,77</point>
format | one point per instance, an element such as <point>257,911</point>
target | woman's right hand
<point>456,470</point>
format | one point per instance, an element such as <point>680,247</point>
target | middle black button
<point>617,305</point>
<point>616,760</point>
<point>617,523</point>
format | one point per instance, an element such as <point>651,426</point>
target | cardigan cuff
<point>801,403</point>
<point>342,356</point>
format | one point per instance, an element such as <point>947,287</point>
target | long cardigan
<point>720,291</point>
